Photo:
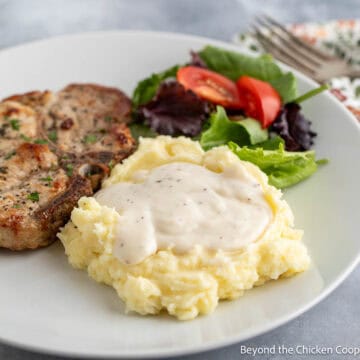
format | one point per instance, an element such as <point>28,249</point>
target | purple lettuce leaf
<point>196,60</point>
<point>292,126</point>
<point>175,111</point>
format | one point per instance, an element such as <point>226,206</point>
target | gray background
<point>336,321</point>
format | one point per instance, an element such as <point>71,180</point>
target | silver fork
<point>288,48</point>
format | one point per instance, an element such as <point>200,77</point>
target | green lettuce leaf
<point>222,130</point>
<point>282,167</point>
<point>233,65</point>
<point>146,89</point>
<point>311,93</point>
<point>286,86</point>
<point>269,144</point>
<point>141,130</point>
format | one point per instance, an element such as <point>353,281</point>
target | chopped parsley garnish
<point>10,155</point>
<point>53,167</point>
<point>90,139</point>
<point>65,157</point>
<point>40,141</point>
<point>69,169</point>
<point>52,135</point>
<point>15,124</point>
<point>16,206</point>
<point>36,141</point>
<point>34,196</point>
<point>111,164</point>
<point>108,118</point>
<point>25,138</point>
<point>47,179</point>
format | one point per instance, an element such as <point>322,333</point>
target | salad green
<point>141,130</point>
<point>272,143</point>
<point>284,168</point>
<point>311,93</point>
<point>250,142</point>
<point>222,130</point>
<point>146,89</point>
<point>172,107</point>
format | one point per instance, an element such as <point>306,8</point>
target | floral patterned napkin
<point>341,38</point>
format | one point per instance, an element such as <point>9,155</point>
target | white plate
<point>47,306</point>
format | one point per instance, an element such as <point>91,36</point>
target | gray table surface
<point>335,321</point>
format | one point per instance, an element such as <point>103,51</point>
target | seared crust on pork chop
<point>55,148</point>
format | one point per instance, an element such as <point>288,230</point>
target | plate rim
<point>215,344</point>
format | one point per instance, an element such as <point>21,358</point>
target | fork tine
<point>278,52</point>
<point>311,59</point>
<point>286,60</point>
<point>298,41</point>
<point>268,48</point>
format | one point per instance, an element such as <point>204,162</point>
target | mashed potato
<point>183,284</point>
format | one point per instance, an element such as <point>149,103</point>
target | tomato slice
<point>259,100</point>
<point>209,85</point>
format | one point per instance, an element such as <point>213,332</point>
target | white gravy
<point>181,205</point>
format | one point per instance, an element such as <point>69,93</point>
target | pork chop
<point>55,148</point>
